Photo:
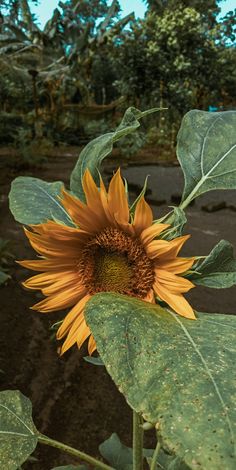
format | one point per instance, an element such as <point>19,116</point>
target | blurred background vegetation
<point>71,80</point>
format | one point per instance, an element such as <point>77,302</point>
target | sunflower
<point>106,251</point>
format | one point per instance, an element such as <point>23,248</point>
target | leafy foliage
<point>206,151</point>
<point>63,66</point>
<point>85,59</point>
<point>218,269</point>
<point>175,372</point>
<point>33,201</point>
<point>116,453</point>
<point>121,457</point>
<point>94,153</point>
<point>19,437</point>
<point>178,56</point>
<point>190,395</point>
<point>177,220</point>
<point>17,431</point>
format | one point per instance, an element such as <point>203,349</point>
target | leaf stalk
<point>137,441</point>
<point>70,450</point>
<point>155,456</point>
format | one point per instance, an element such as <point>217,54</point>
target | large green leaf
<point>218,269</point>
<point>18,437</point>
<point>94,153</point>
<point>178,373</point>
<point>33,201</point>
<point>207,152</point>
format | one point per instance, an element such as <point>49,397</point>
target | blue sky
<point>46,7</point>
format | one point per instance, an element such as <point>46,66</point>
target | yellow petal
<point>150,297</point>
<point>41,280</point>
<point>176,265</point>
<point>117,199</point>
<point>165,249</point>
<point>90,189</point>
<point>173,283</point>
<point>152,232</point>
<point>74,313</point>
<point>157,248</point>
<point>64,298</point>
<point>48,265</point>
<point>104,201</point>
<point>93,197</point>
<point>143,216</point>
<point>63,284</point>
<point>126,227</point>
<point>91,345</point>
<point>85,217</point>
<point>176,301</point>
<point>83,334</point>
<point>50,246</point>
<point>61,279</point>
<point>72,205</point>
<point>59,231</point>
<point>78,327</point>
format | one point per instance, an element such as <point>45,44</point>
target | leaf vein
<point>54,200</point>
<point>188,335</point>
<point>17,417</point>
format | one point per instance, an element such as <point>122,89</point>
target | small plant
<point>120,274</point>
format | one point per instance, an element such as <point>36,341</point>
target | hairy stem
<point>154,457</point>
<point>137,442</point>
<point>70,450</point>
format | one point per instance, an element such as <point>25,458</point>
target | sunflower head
<point>115,262</point>
<point>107,250</point>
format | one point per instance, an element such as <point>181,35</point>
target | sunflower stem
<point>70,450</point>
<point>154,457</point>
<point>137,441</point>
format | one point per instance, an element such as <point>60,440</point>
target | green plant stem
<point>193,193</point>
<point>70,450</point>
<point>137,441</point>
<point>154,457</point>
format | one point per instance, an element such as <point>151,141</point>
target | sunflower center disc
<point>113,261</point>
<point>112,272</point>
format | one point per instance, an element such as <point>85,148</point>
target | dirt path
<point>74,401</point>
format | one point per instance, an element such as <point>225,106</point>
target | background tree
<point>180,55</point>
<point>175,53</point>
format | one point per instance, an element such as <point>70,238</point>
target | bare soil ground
<point>74,401</point>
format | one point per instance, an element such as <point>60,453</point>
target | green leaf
<point>167,462</point>
<point>3,277</point>
<point>96,361</point>
<point>176,372</point>
<point>116,453</point>
<point>121,457</point>
<point>18,437</point>
<point>33,201</point>
<point>177,220</point>
<point>218,269</point>
<point>207,152</point>
<point>93,154</point>
<point>142,194</point>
